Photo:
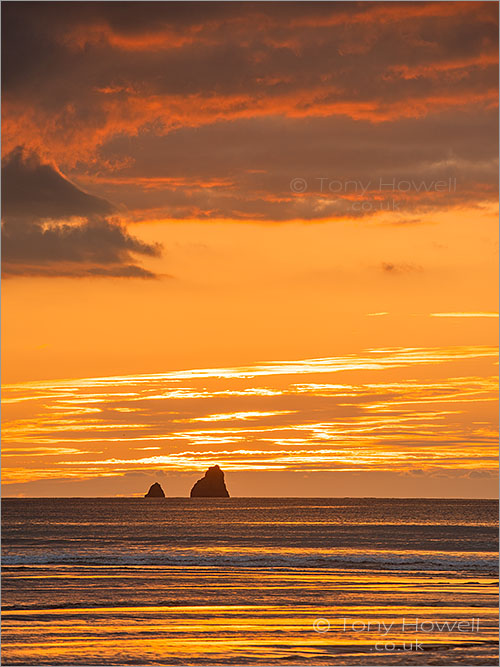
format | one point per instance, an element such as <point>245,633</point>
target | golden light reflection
<point>89,427</point>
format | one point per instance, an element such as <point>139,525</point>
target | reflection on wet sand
<point>366,618</point>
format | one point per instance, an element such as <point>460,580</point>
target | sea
<point>249,581</point>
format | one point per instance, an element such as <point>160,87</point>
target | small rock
<point>155,491</point>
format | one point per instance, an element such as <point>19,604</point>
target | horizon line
<point>141,496</point>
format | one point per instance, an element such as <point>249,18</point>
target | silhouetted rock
<point>210,486</point>
<point>155,491</point>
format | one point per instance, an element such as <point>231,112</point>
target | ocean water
<point>249,581</point>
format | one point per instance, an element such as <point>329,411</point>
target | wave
<point>481,562</point>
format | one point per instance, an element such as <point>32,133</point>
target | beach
<point>254,581</point>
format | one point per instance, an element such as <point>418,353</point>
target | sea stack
<point>155,491</point>
<point>210,486</point>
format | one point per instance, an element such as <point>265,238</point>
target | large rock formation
<point>155,491</point>
<point>210,486</point>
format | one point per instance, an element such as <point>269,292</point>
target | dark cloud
<point>35,190</point>
<point>417,472</point>
<point>482,474</point>
<point>50,227</point>
<point>75,271</point>
<point>390,267</point>
<point>100,64</point>
<point>231,101</point>
<point>244,169</point>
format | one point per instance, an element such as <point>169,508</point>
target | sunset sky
<point>262,235</point>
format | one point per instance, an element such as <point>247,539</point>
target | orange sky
<point>197,186</point>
